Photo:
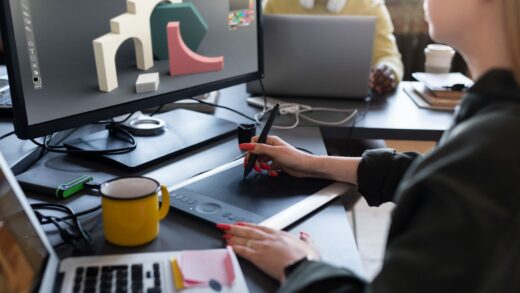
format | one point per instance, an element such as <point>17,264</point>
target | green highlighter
<point>68,189</point>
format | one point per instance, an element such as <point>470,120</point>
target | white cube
<point>148,82</point>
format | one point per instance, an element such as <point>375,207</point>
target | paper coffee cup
<point>438,58</point>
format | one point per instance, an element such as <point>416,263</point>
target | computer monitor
<point>76,62</point>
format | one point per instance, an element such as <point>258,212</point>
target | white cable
<point>298,109</point>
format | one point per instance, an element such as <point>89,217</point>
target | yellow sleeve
<point>385,46</point>
<point>268,9</point>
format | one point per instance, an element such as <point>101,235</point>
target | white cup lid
<point>439,50</point>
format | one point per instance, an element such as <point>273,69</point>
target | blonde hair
<point>511,12</point>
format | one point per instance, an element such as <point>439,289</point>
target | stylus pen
<point>261,139</point>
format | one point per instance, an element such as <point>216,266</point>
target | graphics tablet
<point>223,196</point>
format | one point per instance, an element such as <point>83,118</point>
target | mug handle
<point>165,205</point>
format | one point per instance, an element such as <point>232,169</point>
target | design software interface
<point>77,56</point>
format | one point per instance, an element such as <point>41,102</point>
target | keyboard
<point>141,277</point>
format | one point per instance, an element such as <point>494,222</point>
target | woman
<point>387,67</point>
<point>456,226</point>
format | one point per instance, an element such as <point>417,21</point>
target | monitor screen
<point>22,253</point>
<point>79,61</point>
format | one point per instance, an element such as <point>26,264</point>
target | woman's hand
<point>277,155</point>
<point>382,79</point>
<point>268,249</point>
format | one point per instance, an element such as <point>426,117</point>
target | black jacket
<point>456,226</point>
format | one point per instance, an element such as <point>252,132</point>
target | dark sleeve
<point>380,172</point>
<point>319,277</point>
<point>455,228</point>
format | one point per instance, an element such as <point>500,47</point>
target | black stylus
<point>261,139</point>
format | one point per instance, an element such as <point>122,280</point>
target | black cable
<point>111,121</point>
<point>224,107</point>
<point>124,120</point>
<point>66,235</point>
<point>156,110</point>
<point>6,135</point>
<point>67,210</point>
<point>113,129</point>
<point>80,214</point>
<point>57,219</point>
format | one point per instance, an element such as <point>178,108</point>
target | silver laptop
<point>29,263</point>
<point>316,56</point>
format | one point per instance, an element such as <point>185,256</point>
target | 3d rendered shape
<point>193,26</point>
<point>148,82</point>
<point>185,61</point>
<point>135,24</point>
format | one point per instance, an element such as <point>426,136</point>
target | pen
<point>261,139</point>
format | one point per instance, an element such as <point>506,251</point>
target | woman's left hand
<point>270,250</point>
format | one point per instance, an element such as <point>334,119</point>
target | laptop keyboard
<point>143,277</point>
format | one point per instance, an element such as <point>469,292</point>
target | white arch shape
<point>134,24</point>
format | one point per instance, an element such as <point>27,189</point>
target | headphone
<point>333,6</point>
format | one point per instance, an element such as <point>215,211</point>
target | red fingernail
<point>257,169</point>
<point>227,236</point>
<point>265,166</point>
<point>247,146</point>
<point>224,227</point>
<point>273,173</point>
<point>241,224</point>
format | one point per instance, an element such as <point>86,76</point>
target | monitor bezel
<point>25,131</point>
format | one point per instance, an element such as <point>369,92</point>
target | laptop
<point>28,262</point>
<point>5,94</point>
<point>316,56</point>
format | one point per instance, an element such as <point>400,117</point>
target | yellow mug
<point>131,212</point>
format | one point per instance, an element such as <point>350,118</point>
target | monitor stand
<point>184,130</point>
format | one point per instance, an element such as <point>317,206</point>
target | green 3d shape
<point>134,24</point>
<point>193,26</point>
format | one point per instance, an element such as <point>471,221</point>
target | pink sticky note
<point>198,267</point>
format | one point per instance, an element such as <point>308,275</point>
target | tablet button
<point>208,208</point>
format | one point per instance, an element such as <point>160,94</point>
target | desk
<point>392,117</point>
<point>179,231</point>
<point>395,117</point>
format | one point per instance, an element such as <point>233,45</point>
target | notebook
<point>28,262</point>
<point>316,56</point>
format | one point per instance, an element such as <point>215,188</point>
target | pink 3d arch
<point>183,60</point>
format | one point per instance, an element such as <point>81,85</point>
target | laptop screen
<point>22,252</point>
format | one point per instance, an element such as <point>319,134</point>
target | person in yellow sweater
<point>387,67</point>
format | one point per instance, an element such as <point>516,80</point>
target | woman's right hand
<point>277,155</point>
